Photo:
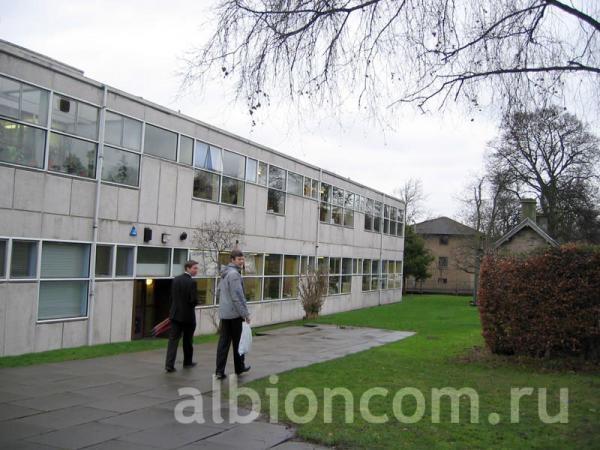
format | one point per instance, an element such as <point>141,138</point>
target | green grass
<point>447,328</point>
<point>92,351</point>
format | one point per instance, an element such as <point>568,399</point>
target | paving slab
<point>80,436</point>
<point>127,401</point>
<point>8,411</point>
<point>67,417</point>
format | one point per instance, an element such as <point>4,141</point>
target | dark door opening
<point>151,304</point>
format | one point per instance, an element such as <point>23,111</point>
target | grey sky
<point>137,45</point>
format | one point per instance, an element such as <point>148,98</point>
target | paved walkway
<point>127,401</point>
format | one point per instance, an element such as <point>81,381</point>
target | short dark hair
<point>189,264</point>
<point>235,254</point>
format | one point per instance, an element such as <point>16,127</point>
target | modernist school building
<point>100,196</point>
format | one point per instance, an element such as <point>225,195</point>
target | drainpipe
<point>92,293</point>
<point>403,242</point>
<point>381,220</point>
<point>318,218</point>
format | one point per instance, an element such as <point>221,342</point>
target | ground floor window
<point>62,299</point>
<point>206,291</point>
<point>124,265</point>
<point>64,280</point>
<point>2,258</point>
<point>272,288</point>
<point>153,261</point>
<point>23,262</point>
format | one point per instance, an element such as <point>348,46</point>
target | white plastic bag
<point>246,339</point>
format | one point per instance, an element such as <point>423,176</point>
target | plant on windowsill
<point>312,290</point>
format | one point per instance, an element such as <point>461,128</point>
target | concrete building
<point>453,246</point>
<point>528,235</point>
<point>100,194</point>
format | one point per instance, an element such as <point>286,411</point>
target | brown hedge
<point>545,304</point>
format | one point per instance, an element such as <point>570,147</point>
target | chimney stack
<point>528,209</point>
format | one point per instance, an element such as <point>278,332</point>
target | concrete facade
<point>46,205</point>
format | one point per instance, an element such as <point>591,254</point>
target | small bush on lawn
<point>547,304</point>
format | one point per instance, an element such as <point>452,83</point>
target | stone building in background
<point>454,248</point>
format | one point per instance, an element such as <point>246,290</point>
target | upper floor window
<point>23,102</point>
<point>276,196</point>
<point>444,239</point>
<point>123,132</point>
<point>22,144</point>
<point>160,142</point>
<point>186,150</point>
<point>295,184</point>
<point>443,262</point>
<point>251,170</point>
<point>74,117</point>
<point>208,157</point>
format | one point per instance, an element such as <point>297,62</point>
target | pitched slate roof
<point>526,223</point>
<point>444,226</point>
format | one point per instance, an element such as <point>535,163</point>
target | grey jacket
<point>232,301</point>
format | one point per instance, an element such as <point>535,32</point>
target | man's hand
<point>248,320</point>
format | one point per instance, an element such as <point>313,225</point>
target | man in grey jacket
<point>232,312</point>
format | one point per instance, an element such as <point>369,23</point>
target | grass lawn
<point>93,351</point>
<point>446,329</point>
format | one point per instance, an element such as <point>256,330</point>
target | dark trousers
<point>231,331</point>
<point>177,330</point>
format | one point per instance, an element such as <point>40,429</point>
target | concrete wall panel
<point>75,333</point>
<point>57,194</point>
<point>109,197</point>
<point>149,183</point>
<point>21,315</point>
<point>20,223</point>
<point>29,190</point>
<point>7,181</point>
<point>3,304</point>
<point>167,194</point>
<point>122,311</point>
<point>67,227</point>
<point>183,202</point>
<point>128,204</point>
<point>102,315</point>
<point>48,336</point>
<point>83,196</point>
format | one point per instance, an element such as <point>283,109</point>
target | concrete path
<point>127,401</point>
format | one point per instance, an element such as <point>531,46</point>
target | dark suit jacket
<point>183,299</point>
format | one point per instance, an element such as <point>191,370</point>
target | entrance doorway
<point>151,304</point>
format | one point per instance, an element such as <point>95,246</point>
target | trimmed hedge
<point>545,304</point>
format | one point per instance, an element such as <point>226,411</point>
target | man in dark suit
<point>184,299</point>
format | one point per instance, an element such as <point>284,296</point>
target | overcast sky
<point>137,46</point>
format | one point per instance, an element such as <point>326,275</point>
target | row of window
<point>71,128</point>
<point>63,270</point>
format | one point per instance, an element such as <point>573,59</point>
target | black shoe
<point>190,365</point>
<point>170,369</point>
<point>244,370</point>
<point>220,376</point>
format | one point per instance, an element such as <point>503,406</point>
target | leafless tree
<point>388,52</point>
<point>552,155</point>
<point>217,237</point>
<point>411,193</point>
<point>490,206</point>
<point>312,289</point>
